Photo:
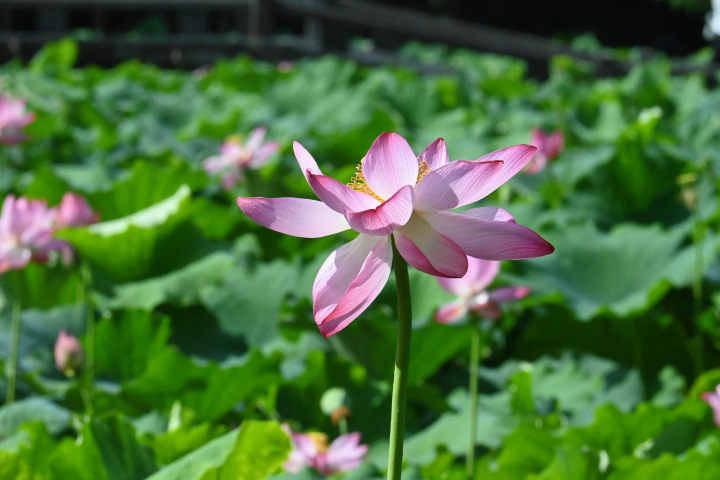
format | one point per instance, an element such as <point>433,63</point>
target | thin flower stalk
<point>473,298</point>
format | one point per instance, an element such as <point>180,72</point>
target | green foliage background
<point>205,337</point>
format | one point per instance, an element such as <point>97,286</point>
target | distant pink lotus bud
<point>713,399</point>
<point>13,118</point>
<point>285,66</point>
<point>472,293</point>
<point>26,233</point>
<point>312,450</point>
<point>548,147</point>
<point>74,211</point>
<point>235,156</point>
<point>69,354</point>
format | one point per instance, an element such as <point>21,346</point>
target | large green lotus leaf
<point>145,185</point>
<point>209,389</point>
<point>624,271</point>
<point>668,467</point>
<point>203,463</point>
<point>107,449</point>
<point>46,185</point>
<point>647,342</point>
<point>615,439</point>
<point>171,445</point>
<point>24,455</point>
<point>124,247</point>
<point>248,303</point>
<point>12,416</point>
<point>527,450</point>
<point>433,345</point>
<point>39,332</point>
<point>41,286</point>
<point>495,420</point>
<point>253,452</point>
<point>182,286</point>
<point>572,387</point>
<point>134,336</point>
<point>659,430</point>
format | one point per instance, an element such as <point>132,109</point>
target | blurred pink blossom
<point>74,211</point>
<point>312,450</point>
<point>713,399</point>
<point>397,193</point>
<point>235,157</point>
<point>548,147</point>
<point>69,354</point>
<point>13,118</point>
<point>285,66</point>
<point>26,233</point>
<point>473,294</point>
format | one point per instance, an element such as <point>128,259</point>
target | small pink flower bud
<point>69,354</point>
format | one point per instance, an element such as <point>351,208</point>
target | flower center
<point>320,440</point>
<point>358,181</point>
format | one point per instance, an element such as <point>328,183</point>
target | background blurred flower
<point>74,211</point>
<point>235,157</point>
<point>713,399</point>
<point>13,118</point>
<point>312,450</point>
<point>396,193</point>
<point>548,147</point>
<point>472,292</point>
<point>26,232</point>
<point>69,354</point>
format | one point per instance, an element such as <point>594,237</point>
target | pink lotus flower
<point>12,119</point>
<point>69,354</point>
<point>396,193</point>
<point>26,233</point>
<point>235,157</point>
<point>548,147</point>
<point>713,399</point>
<point>312,450</point>
<point>74,211</point>
<point>472,292</point>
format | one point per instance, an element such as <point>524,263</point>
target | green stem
<point>698,266</point>
<point>12,365</point>
<point>474,365</point>
<point>342,425</point>
<point>698,243</point>
<point>89,374</point>
<point>402,363</point>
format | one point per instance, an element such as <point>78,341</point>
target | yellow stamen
<point>358,181</point>
<point>423,169</point>
<point>320,440</point>
<point>234,139</point>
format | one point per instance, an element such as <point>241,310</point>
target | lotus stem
<point>402,363</point>
<point>89,373</point>
<point>474,366</point>
<point>12,365</point>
